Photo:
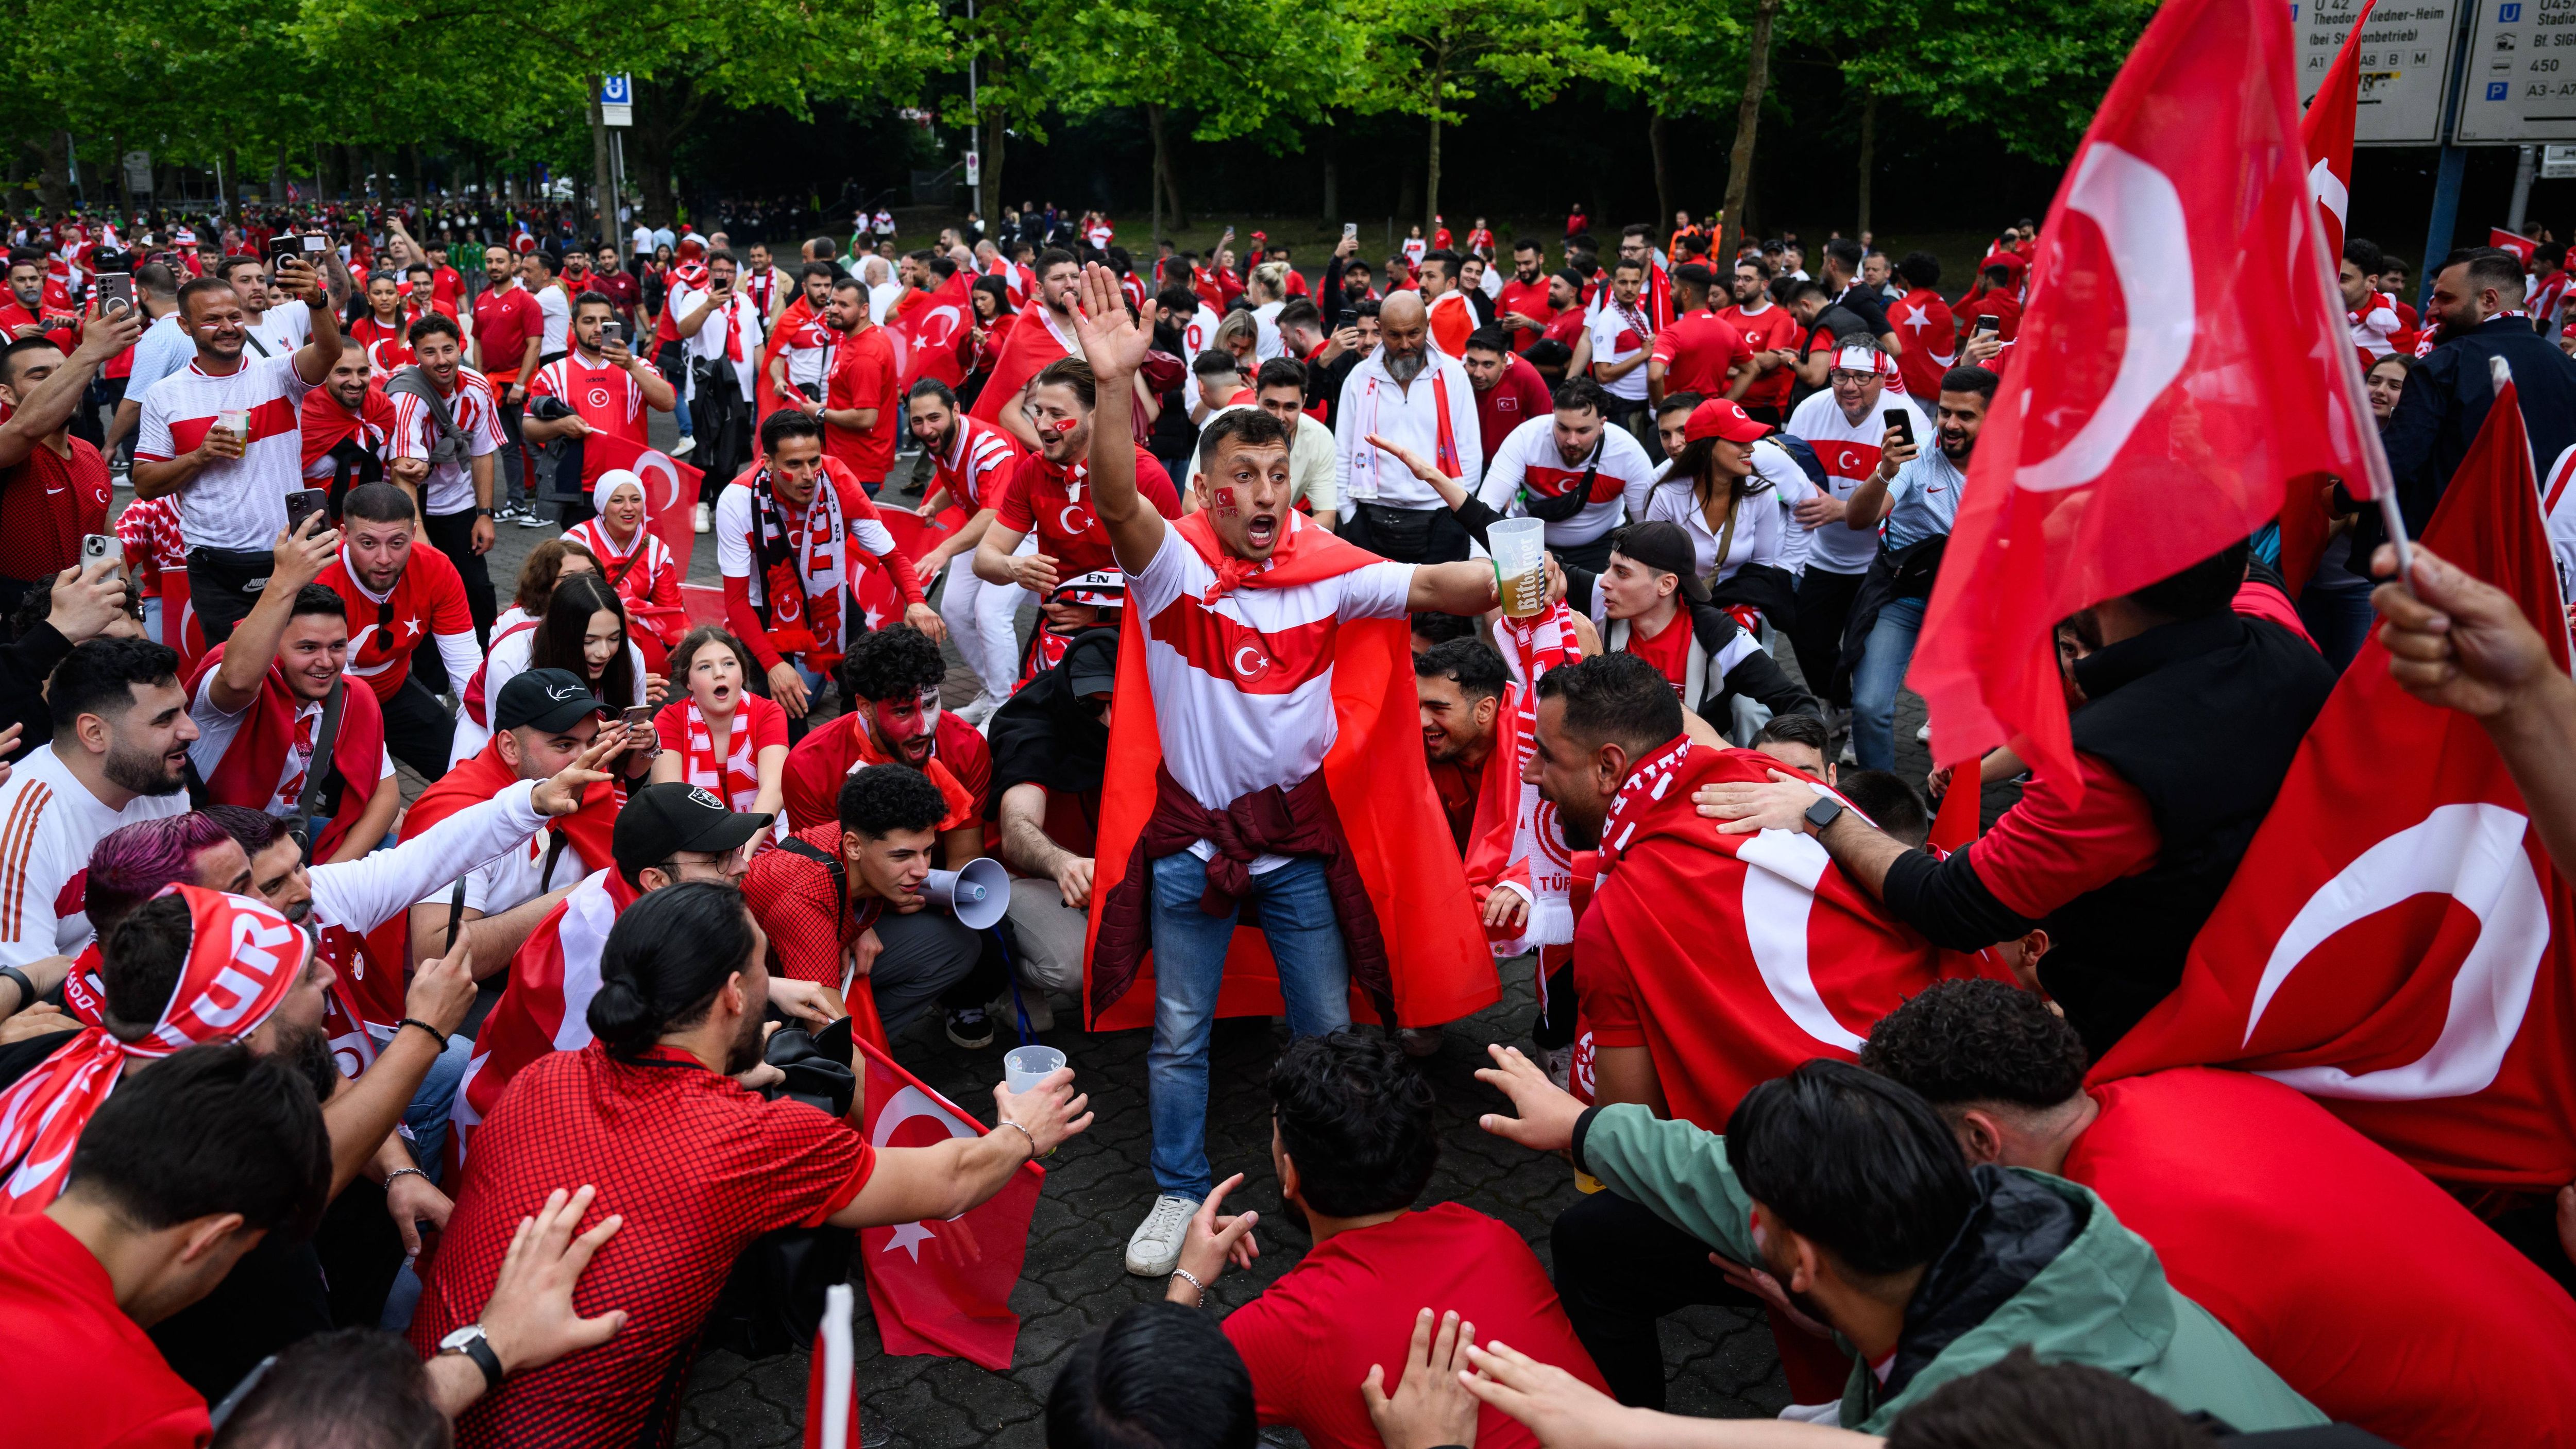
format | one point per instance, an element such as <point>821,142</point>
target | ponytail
<point>665,959</point>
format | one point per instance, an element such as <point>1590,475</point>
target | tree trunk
<point>995,133</point>
<point>53,182</point>
<point>1332,189</point>
<point>277,174</point>
<point>1167,181</point>
<point>1664,208</point>
<point>1868,156</point>
<point>414,172</point>
<point>600,187</point>
<point>1748,114</point>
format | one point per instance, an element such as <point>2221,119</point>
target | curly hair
<point>1978,1041</point>
<point>1356,1120</point>
<point>892,663</point>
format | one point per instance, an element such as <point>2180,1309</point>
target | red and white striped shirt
<point>978,457</point>
<point>49,821</point>
<point>476,410</point>
<point>149,529</point>
<point>239,504</point>
<point>1243,687</point>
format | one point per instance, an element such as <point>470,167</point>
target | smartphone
<point>612,333</point>
<point>640,733</point>
<point>315,242</point>
<point>101,548</point>
<point>1899,423</point>
<point>281,247</point>
<point>115,292</point>
<point>1350,229</point>
<point>302,504</point>
<point>1986,325</point>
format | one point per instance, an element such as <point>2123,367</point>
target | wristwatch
<point>1822,813</point>
<point>470,1342</point>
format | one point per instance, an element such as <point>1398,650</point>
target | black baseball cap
<point>661,820</point>
<point>1663,547</point>
<point>1091,662</point>
<point>544,699</point>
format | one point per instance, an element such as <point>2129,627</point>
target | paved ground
<point>1721,1361</point>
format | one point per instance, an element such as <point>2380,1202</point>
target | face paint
<point>909,726</point>
<point>1225,503</point>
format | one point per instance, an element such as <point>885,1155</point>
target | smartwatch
<point>470,1342</point>
<point>1823,812</point>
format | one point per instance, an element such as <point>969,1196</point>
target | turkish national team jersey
<point>475,408</point>
<point>46,504</point>
<point>1772,327</point>
<point>428,598</point>
<point>1849,452</point>
<point>1243,687</point>
<point>48,822</point>
<point>1698,351</point>
<point>864,376</point>
<point>1530,300</point>
<point>1529,468</point>
<point>241,504</point>
<point>1056,502</point>
<point>974,465</point>
<point>505,319</point>
<point>608,398</point>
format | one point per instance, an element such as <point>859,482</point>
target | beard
<point>748,1048</point>
<point>307,1052</point>
<point>141,771</point>
<point>1404,367</point>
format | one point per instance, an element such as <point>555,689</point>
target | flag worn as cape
<point>1033,342</point>
<point>545,1000</point>
<point>1380,786</point>
<point>2397,943</point>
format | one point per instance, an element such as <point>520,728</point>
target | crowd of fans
<point>329,1118</point>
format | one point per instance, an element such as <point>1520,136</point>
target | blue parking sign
<point>2495,90</point>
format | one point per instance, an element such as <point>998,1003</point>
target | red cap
<point>1721,418</point>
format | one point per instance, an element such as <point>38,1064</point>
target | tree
<point>1695,51</point>
<point>1427,57</point>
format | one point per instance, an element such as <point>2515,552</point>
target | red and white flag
<point>1520,843</point>
<point>831,1383</point>
<point>942,1288</point>
<point>2325,134</point>
<point>2181,359</point>
<point>926,334</point>
<point>670,491</point>
<point>2514,242</point>
<point>2397,944</point>
<point>545,1003</point>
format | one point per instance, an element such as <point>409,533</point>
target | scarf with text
<point>803,568</point>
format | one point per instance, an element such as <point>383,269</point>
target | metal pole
<point>2526,160</point>
<point>2455,164</point>
<point>975,129</point>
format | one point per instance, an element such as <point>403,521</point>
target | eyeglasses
<point>1838,376</point>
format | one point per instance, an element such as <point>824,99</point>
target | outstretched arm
<point>1115,345</point>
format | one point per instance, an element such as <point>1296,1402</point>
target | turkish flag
<point>2325,134</point>
<point>2181,359</point>
<point>928,334</point>
<point>670,490</point>
<point>942,1288</point>
<point>831,1380</point>
<point>2514,242</point>
<point>2397,944</point>
<point>879,600</point>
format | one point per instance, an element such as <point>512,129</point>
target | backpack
<point>1804,455</point>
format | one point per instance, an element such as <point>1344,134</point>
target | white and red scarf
<point>242,960</point>
<point>734,778</point>
<point>804,569</point>
<point>1519,842</point>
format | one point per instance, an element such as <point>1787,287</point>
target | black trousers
<point>1618,1269</point>
<point>418,731</point>
<point>453,535</point>
<point>1824,605</point>
<point>1434,535</point>
<point>222,585</point>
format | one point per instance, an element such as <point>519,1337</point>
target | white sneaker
<point>1154,1249</point>
<point>705,520</point>
<point>1924,734</point>
<point>681,448</point>
<point>978,709</point>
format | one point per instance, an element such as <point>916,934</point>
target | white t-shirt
<point>1849,452</point>
<point>49,822</point>
<point>477,411</point>
<point>709,341</point>
<point>1529,460</point>
<point>1615,341</point>
<point>1923,497</point>
<point>514,877</point>
<point>881,300</point>
<point>1265,336</point>
<point>1243,687</point>
<point>216,731</point>
<point>1198,332</point>
<point>733,540</point>
<point>240,504</point>
<point>642,241</point>
<point>283,328</point>
<point>164,348</point>
<point>509,658</point>
<point>558,321</point>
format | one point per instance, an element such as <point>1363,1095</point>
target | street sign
<point>974,168</point>
<point>138,171</point>
<point>2557,163</point>
<point>617,101</point>
<point>2405,62</point>
<point>2520,82</point>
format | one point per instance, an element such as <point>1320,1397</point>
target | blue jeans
<point>425,1120</point>
<point>1875,682</point>
<point>2336,608</point>
<point>1294,909</point>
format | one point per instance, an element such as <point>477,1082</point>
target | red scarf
<point>735,777</point>
<point>248,773</point>
<point>242,960</point>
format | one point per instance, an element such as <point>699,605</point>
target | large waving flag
<point>942,1288</point>
<point>670,490</point>
<point>2326,131</point>
<point>2397,944</point>
<point>2181,359</point>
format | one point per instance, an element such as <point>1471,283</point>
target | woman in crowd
<point>636,563</point>
<point>584,633</point>
<point>547,566</point>
<point>715,732</point>
<point>1724,489</point>
<point>980,344</point>
<point>2386,378</point>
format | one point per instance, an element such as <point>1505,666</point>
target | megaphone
<point>979,895</point>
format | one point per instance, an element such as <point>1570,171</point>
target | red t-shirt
<point>428,598</point>
<point>1056,502</point>
<point>1698,351</point>
<point>1520,396</point>
<point>91,1378</point>
<point>1568,327</point>
<point>608,398</point>
<point>864,376</point>
<point>1774,327</point>
<point>1668,651</point>
<point>698,1165</point>
<point>810,786</point>
<point>1310,1338</point>
<point>46,504</point>
<point>2367,1288</point>
<point>446,287</point>
<point>1530,300</point>
<point>504,319</point>
<point>758,724</point>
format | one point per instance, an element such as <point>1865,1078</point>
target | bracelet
<point>1193,1280</point>
<point>405,1171</point>
<point>435,1034</point>
<point>1023,1131</point>
<point>27,992</point>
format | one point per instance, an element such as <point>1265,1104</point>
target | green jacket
<point>2102,1300</point>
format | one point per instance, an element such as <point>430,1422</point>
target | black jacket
<point>2445,403</point>
<point>1714,632</point>
<point>24,665</point>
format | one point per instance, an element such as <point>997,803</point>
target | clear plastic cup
<point>1024,1067</point>
<point>235,421</point>
<point>1519,547</point>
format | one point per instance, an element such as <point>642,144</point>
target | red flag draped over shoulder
<point>930,330</point>
<point>2397,944</point>
<point>2181,360</point>
<point>1031,344</point>
<point>1380,786</point>
<point>248,773</point>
